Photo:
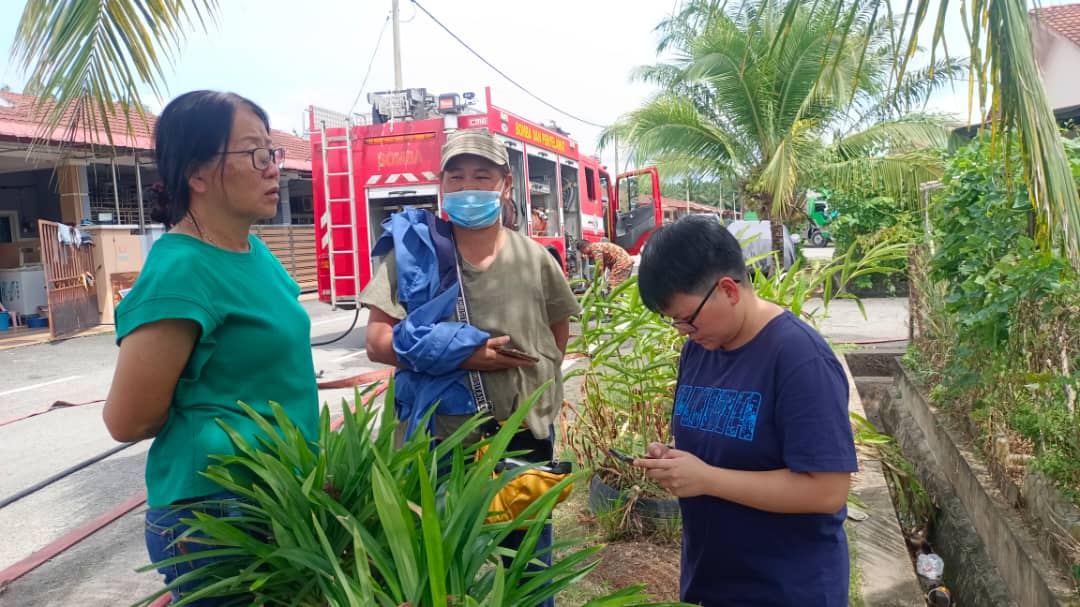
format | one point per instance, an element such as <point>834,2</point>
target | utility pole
<point>396,14</point>
<point>616,146</point>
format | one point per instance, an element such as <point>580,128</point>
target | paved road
<point>100,570</point>
<point>817,253</point>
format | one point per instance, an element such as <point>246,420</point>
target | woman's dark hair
<point>192,130</point>
<point>687,257</point>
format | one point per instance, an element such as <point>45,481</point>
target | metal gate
<point>69,279</point>
<point>294,246</point>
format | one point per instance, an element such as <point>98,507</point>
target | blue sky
<point>576,54</point>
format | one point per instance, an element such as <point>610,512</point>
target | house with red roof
<point>1056,31</point>
<point>72,176</point>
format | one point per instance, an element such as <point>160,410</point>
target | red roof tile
<point>697,207</point>
<point>19,121</point>
<point>1064,19</point>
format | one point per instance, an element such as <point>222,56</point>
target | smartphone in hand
<point>622,457</point>
<point>516,353</point>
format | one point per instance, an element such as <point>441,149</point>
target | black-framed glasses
<point>262,158</point>
<point>688,324</point>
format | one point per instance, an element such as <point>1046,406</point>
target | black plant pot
<point>653,511</point>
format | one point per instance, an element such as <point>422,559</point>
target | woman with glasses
<point>212,321</point>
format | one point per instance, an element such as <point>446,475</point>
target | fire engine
<point>364,170</point>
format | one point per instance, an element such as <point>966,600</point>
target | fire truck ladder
<point>330,144</point>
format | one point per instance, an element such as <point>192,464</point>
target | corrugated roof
<point>19,121</point>
<point>697,207</point>
<point>1064,19</point>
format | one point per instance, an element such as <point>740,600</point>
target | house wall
<point>1058,60</point>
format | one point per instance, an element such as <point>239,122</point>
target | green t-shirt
<point>254,347</point>
<point>521,294</point>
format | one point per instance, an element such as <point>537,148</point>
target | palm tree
<point>85,56</point>
<point>1004,73</point>
<point>731,100</point>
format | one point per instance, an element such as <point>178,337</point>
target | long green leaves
<point>86,56</point>
<point>353,521</point>
<point>628,385</point>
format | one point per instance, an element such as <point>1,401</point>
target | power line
<point>369,65</point>
<point>503,74</point>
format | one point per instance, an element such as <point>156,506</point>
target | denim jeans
<point>163,526</point>
<point>543,545</point>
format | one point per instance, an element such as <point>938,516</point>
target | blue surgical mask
<point>473,209</point>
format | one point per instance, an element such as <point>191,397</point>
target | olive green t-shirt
<point>253,347</point>
<point>521,294</point>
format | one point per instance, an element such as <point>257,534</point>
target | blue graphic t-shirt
<point>780,401</point>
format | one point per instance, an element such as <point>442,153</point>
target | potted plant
<point>627,391</point>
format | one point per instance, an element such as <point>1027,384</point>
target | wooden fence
<point>294,246</point>
<point>69,280</point>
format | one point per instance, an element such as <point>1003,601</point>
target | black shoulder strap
<point>476,382</point>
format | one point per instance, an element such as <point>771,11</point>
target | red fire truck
<point>362,173</point>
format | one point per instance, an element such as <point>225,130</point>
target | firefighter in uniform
<point>613,259</point>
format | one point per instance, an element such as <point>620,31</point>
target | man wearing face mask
<point>515,294</point>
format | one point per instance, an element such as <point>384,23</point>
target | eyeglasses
<point>262,158</point>
<point>688,324</point>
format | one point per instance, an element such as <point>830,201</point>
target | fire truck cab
<point>364,171</point>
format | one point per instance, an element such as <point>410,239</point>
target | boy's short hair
<point>687,256</point>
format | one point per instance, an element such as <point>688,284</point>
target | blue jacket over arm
<point>431,347</point>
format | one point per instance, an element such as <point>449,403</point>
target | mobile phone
<point>515,353</point>
<point>619,455</point>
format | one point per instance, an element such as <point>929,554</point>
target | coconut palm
<point>1005,76</point>
<point>776,114</point>
<point>85,56</point>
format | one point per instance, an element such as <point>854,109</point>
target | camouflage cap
<point>474,142</point>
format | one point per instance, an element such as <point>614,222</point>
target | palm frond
<point>83,58</point>
<point>670,125</point>
<point>911,132</point>
<point>896,175</point>
<point>1003,71</point>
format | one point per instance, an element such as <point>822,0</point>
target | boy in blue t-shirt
<point>763,447</point>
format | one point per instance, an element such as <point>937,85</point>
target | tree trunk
<point>776,227</point>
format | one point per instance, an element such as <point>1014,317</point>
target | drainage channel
<point>984,565</point>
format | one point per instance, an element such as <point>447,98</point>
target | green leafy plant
<point>867,216</point>
<point>997,319</point>
<point>802,284</point>
<point>628,385</point>
<point>351,521</point>
<point>914,506</point>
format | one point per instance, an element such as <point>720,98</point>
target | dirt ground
<point>628,563</point>
<point>652,561</point>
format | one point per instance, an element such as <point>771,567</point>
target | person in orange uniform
<point>613,259</point>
